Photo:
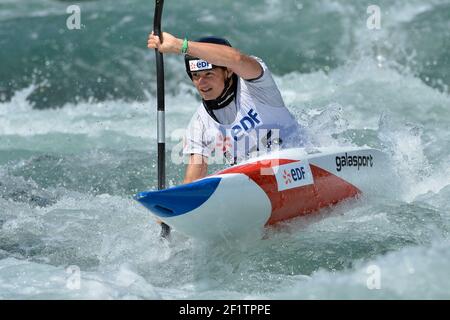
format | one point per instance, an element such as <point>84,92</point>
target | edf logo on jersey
<point>246,124</point>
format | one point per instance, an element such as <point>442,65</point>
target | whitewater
<point>78,141</point>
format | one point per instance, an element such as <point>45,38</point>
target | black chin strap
<point>225,98</point>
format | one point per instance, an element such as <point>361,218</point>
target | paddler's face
<point>210,83</point>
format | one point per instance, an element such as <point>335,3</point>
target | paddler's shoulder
<point>265,79</point>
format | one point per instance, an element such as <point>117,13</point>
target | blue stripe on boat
<point>178,200</point>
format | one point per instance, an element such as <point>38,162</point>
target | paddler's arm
<point>243,65</point>
<point>197,168</point>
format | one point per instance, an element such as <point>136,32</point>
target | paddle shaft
<point>165,231</point>
<point>160,98</point>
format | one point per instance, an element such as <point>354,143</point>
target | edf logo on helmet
<point>199,65</point>
<point>202,64</point>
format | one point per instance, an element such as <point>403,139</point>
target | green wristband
<point>184,48</point>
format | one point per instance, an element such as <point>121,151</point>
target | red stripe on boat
<point>327,190</point>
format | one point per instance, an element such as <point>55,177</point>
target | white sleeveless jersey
<point>257,122</point>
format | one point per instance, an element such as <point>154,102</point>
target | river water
<point>78,140</point>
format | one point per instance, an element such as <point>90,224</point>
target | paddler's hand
<point>170,44</point>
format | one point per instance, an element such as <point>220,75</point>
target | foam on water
<point>135,119</point>
<point>68,174</point>
<point>402,275</point>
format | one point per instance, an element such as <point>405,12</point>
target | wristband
<point>184,48</point>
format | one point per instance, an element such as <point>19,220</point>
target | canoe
<point>266,190</point>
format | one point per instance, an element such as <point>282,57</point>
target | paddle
<point>165,229</point>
